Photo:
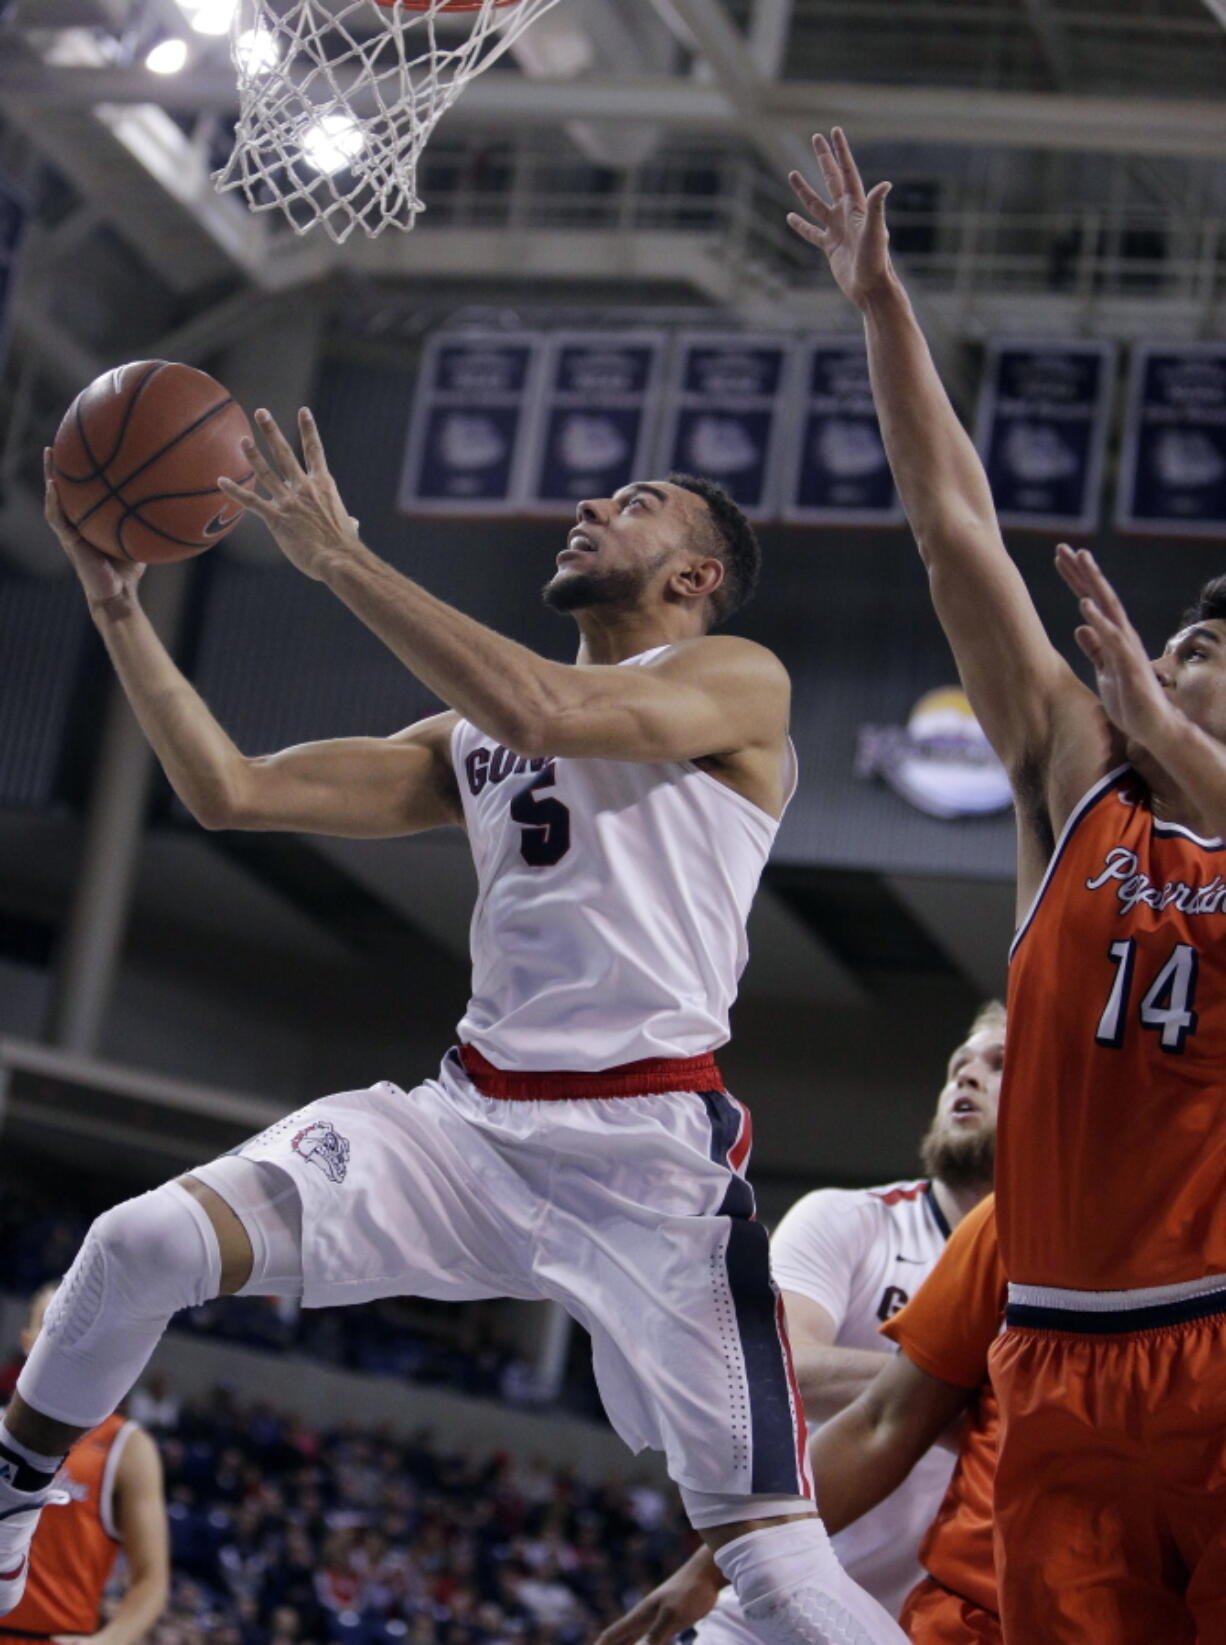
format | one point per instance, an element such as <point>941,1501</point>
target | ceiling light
<point>332,142</point>
<point>167,57</point>
<point>256,52</point>
<point>210,16</point>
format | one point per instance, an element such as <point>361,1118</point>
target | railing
<point>1084,252</point>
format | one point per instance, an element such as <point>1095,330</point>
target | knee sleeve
<point>793,1591</point>
<point>140,1263</point>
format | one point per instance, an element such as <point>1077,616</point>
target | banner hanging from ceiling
<point>837,473</point>
<point>725,411</point>
<point>1044,411</point>
<point>1173,461</point>
<point>467,437</point>
<point>593,422</point>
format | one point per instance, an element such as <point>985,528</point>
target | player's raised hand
<point>103,579</point>
<point>850,226</point>
<point>299,501</point>
<point>1127,685</point>
<point>678,1603</point>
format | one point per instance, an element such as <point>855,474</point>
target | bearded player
<point>578,1144</point>
<point>848,1260</point>
<point>1111,1487</point>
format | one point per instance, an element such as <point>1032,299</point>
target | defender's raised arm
<point>1031,705</point>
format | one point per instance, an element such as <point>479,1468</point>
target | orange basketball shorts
<point>1111,1482</point>
<point>932,1615</point>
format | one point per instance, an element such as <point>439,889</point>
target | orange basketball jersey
<point>1111,1162</point>
<point>75,1547</point>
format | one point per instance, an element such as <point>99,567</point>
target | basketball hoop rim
<point>447,5</point>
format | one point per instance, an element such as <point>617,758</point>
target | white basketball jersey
<point>611,904</point>
<point>861,1254</point>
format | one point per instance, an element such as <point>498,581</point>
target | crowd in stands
<point>283,1535</point>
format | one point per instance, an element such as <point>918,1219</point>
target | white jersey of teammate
<point>632,943</point>
<point>861,1254</point>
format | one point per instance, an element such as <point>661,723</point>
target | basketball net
<point>337,99</point>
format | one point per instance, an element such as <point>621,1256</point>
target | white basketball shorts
<point>632,1212</point>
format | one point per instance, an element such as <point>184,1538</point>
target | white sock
<point>793,1590</point>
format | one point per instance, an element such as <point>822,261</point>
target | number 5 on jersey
<point>545,822</point>
<point>1168,1006</point>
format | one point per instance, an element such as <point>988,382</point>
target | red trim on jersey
<point>895,1196</point>
<point>652,1077</point>
<point>739,1152</point>
<point>804,1473</point>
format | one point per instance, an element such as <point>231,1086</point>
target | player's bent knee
<point>145,1258</point>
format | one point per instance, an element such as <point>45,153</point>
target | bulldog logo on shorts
<point>323,1145</point>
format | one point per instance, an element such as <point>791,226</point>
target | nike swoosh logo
<point>916,1262</point>
<point>220,522</point>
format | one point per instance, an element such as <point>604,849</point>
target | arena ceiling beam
<point>992,118</point>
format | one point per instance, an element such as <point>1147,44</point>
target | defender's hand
<point>684,1599</point>
<point>1127,685</point>
<point>850,228</point>
<point>299,504</point>
<point>110,585</point>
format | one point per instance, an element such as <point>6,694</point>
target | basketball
<point>137,459</point>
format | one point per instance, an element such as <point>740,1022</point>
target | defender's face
<point>625,541</point>
<point>969,1097</point>
<point>1192,670</point>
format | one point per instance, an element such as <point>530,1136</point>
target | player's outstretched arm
<point>866,1452</point>
<point>1022,691</point>
<point>358,787</point>
<point>708,697</point>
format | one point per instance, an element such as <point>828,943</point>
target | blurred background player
<point>1111,1375</point>
<point>113,1480</point>
<point>620,812</point>
<point>847,1260</point>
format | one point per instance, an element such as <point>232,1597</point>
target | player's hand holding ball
<point>299,501</point>
<point>104,579</point>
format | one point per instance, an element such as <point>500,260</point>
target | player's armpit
<point>352,787</point>
<point>718,695</point>
<point>865,1452</point>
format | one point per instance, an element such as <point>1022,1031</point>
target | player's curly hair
<point>734,542</point>
<point>1210,603</point>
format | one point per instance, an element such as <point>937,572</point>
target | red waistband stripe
<point>652,1077</point>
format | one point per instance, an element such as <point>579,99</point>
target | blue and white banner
<point>837,473</point>
<point>591,429</point>
<point>724,413</point>
<point>1173,462</point>
<point>1042,431</point>
<point>13,217</point>
<point>467,435</point>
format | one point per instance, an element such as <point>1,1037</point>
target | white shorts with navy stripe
<point>633,1212</point>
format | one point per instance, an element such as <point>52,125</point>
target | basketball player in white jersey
<point>846,1261</point>
<point>578,1144</point>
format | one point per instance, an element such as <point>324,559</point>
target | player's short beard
<point>618,586</point>
<point>959,1159</point>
